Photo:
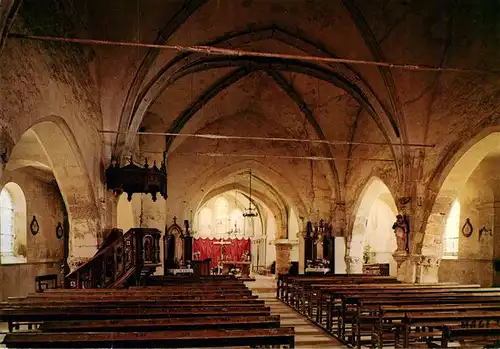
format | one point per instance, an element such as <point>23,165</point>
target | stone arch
<point>19,221</point>
<point>449,180</point>
<point>280,212</point>
<point>66,161</point>
<point>276,186</point>
<point>375,212</point>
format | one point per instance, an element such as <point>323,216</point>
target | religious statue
<point>401,231</point>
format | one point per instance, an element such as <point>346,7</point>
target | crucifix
<point>222,243</point>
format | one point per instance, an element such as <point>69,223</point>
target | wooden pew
<point>297,288</point>
<point>187,323</point>
<point>363,314</point>
<point>139,297</point>
<point>320,295</point>
<point>346,317</point>
<point>143,293</point>
<point>448,319</point>
<point>283,280</point>
<point>350,299</point>
<point>166,339</point>
<point>210,314</point>
<point>391,317</point>
<point>34,315</point>
<point>125,302</point>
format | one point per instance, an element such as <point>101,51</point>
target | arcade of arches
<point>388,140</point>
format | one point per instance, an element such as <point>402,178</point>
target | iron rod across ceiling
<point>270,139</point>
<point>266,156</point>
<point>211,50</point>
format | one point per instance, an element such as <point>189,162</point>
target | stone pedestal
<point>282,257</point>
<point>417,268</point>
<point>406,268</point>
<point>428,269</point>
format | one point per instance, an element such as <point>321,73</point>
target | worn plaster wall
<point>44,250</point>
<point>474,263</point>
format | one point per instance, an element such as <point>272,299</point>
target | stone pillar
<point>496,241</point>
<point>406,266</point>
<point>282,257</point>
<point>300,237</point>
<point>154,216</point>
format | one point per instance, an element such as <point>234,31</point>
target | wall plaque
<point>467,228</point>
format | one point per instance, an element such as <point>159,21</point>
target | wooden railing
<point>122,261</point>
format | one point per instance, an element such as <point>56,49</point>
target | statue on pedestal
<point>401,231</point>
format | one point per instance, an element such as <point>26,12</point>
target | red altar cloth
<point>232,251</point>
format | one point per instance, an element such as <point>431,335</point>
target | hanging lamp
<point>250,212</point>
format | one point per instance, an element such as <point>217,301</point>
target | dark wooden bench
<point>361,311</point>
<point>114,302</point>
<point>139,297</point>
<point>143,293</point>
<point>165,339</point>
<point>37,315</point>
<point>390,318</point>
<point>445,322</point>
<point>189,315</point>
<point>187,323</point>
<point>329,297</point>
<point>320,296</point>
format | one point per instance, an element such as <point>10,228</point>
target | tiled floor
<point>307,335</point>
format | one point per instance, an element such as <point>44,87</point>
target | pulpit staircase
<point>124,261</point>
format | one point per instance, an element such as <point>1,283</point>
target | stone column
<point>406,266</point>
<point>154,216</point>
<point>496,241</point>
<point>282,256</point>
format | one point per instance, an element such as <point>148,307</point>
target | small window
<point>6,223</point>
<point>451,234</point>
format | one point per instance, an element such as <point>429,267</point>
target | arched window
<point>6,223</point>
<point>221,216</point>
<point>236,220</point>
<point>13,224</point>
<point>205,221</point>
<point>451,233</point>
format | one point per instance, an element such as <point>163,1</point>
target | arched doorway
<point>372,239</point>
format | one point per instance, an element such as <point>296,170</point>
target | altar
<point>243,266</point>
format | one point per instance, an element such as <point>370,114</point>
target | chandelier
<point>250,212</point>
<point>133,179</point>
